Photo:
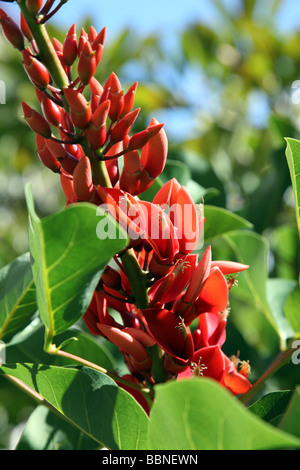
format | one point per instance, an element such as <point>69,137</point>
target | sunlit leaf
<point>68,260</point>
<point>90,400</point>
<point>293,159</point>
<point>17,296</point>
<point>208,418</point>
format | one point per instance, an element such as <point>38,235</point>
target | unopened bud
<point>36,70</point>
<point>36,121</point>
<point>51,111</point>
<point>87,63</point>
<point>46,156</point>
<point>140,139</point>
<point>83,180</point>
<point>121,129</point>
<point>70,46</point>
<point>34,6</point>
<point>11,31</point>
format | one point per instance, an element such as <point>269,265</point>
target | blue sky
<point>166,15</point>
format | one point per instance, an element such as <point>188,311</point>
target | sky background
<point>167,16</point>
<point>163,15</point>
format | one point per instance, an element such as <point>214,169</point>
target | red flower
<point>211,362</point>
<point>170,333</point>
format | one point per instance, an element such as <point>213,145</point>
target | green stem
<point>137,278</point>
<point>99,170</point>
<point>47,52</point>
<point>281,360</point>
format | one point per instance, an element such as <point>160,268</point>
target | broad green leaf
<point>68,260</point>
<point>199,414</point>
<point>278,291</point>
<point>290,420</point>
<point>252,249</point>
<point>293,160</point>
<point>91,401</point>
<point>219,221</point>
<point>291,310</point>
<point>271,407</point>
<point>17,296</point>
<point>46,430</point>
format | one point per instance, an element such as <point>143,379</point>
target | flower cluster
<point>162,304</point>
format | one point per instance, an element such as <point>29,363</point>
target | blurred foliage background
<point>225,94</point>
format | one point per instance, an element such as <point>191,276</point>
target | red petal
<point>165,328</point>
<point>213,296</point>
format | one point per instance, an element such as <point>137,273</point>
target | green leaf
<point>68,260</point>
<point>252,249</point>
<point>199,414</point>
<point>271,407</point>
<point>291,310</point>
<point>278,291</point>
<point>91,401</point>
<point>293,160</point>
<point>17,297</point>
<point>291,418</point>
<point>219,221</point>
<point>46,430</point>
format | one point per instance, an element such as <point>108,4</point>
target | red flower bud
<point>36,121</point>
<point>51,111</point>
<point>229,267</point>
<point>67,187</point>
<point>96,132</point>
<point>70,46</point>
<point>58,46</point>
<point>115,95</point>
<point>46,156</point>
<point>101,37</point>
<point>98,44</point>
<point>95,87</point>
<point>154,153</point>
<point>25,28</point>
<point>87,63</point>
<point>34,6</point>
<point>121,129</point>
<point>140,139</point>
<point>80,109</point>
<point>83,180</point>
<point>36,71</point>
<point>56,148</point>
<point>130,176</point>
<point>83,38</point>
<point>124,341</point>
<point>129,99</point>
<point>168,193</point>
<point>11,31</point>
